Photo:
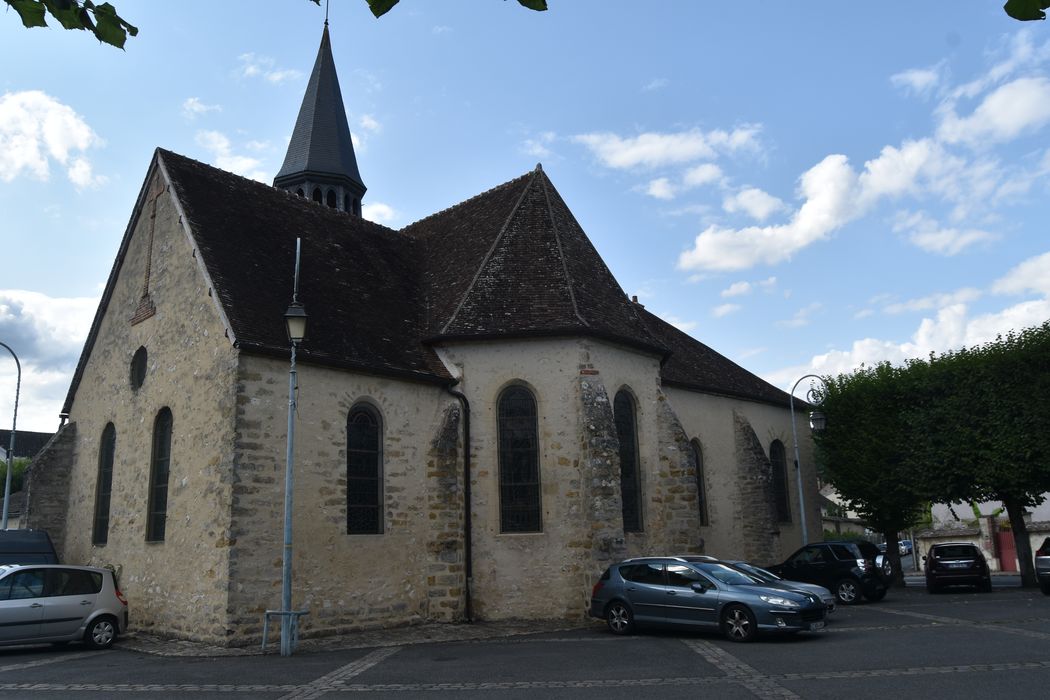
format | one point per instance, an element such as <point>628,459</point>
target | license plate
<point>816,625</point>
<point>958,565</point>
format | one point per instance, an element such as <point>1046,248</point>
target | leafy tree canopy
<point>101,20</point>
<point>381,7</point>
<point>1026,9</point>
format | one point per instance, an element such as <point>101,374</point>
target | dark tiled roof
<point>693,365</point>
<point>27,443</point>
<point>321,142</point>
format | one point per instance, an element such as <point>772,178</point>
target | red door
<point>1007,551</point>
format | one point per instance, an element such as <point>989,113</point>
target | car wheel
<point>985,586</point>
<point>847,591</point>
<point>931,587</point>
<point>878,595</point>
<point>1046,588</point>
<point>738,624</point>
<point>619,617</point>
<point>101,633</point>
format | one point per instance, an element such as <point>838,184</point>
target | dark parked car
<point>1042,565</point>
<point>700,593</point>
<point>841,567</point>
<point>956,564</point>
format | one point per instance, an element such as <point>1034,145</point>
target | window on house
<point>346,203</point>
<point>701,488</point>
<point>160,466</point>
<point>317,194</point>
<point>519,464</point>
<point>364,472</point>
<point>630,482</point>
<point>778,461</point>
<point>138,368</point>
<point>299,192</point>
<point>331,199</point>
<point>104,485</point>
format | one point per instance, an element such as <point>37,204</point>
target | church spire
<point>320,162</point>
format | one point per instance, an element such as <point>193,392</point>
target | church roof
<point>511,262</point>
<point>321,146</point>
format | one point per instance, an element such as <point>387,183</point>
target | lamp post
<point>11,444</point>
<point>817,421</point>
<point>295,323</point>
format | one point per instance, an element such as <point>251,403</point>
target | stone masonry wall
<point>46,486</point>
<point>680,503</point>
<point>445,567</point>
<point>161,301</point>
<point>754,506</point>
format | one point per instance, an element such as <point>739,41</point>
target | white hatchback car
<point>54,603</point>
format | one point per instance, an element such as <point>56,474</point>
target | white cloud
<point>661,188</point>
<point>918,80</point>
<point>539,146</point>
<point>754,202</point>
<point>1032,275</point>
<point>379,213</point>
<point>684,326</point>
<point>935,301</point>
<point>652,149</point>
<point>736,289</point>
<point>656,84</point>
<point>192,108</point>
<point>47,334</point>
<point>802,317</point>
<point>224,157</point>
<point>441,29</point>
<point>928,235</point>
<point>36,129</point>
<point>369,123</point>
<point>703,174</point>
<point>725,310</point>
<point>1020,106</point>
<point>253,66</point>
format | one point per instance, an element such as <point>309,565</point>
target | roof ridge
<point>428,217</point>
<point>488,254</point>
<point>561,251</point>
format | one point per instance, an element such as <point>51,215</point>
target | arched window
<point>701,489</point>
<point>299,192</point>
<point>160,467</point>
<point>331,199</point>
<point>104,485</point>
<point>317,194</point>
<point>778,460</point>
<point>519,463</point>
<point>630,481</point>
<point>357,207</point>
<point>364,472</point>
<point>138,368</point>
<point>346,203</point>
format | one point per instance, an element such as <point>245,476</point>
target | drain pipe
<point>468,553</point>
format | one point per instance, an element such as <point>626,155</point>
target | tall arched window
<point>330,200</point>
<point>701,489</point>
<point>630,479</point>
<point>519,463</point>
<point>317,194</point>
<point>778,460</point>
<point>160,467</point>
<point>364,472</point>
<point>104,485</point>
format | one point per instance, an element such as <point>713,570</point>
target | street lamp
<point>295,323</point>
<point>11,444</point>
<point>817,422</point>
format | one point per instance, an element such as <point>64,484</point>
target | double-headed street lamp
<point>817,422</point>
<point>11,444</point>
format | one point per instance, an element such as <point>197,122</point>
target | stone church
<point>484,419</point>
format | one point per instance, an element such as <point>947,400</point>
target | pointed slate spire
<point>320,162</point>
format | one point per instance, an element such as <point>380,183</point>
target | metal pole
<point>11,444</point>
<point>286,567</point>
<point>798,462</point>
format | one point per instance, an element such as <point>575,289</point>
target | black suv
<point>842,567</point>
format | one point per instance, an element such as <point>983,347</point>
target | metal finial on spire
<point>326,3</point>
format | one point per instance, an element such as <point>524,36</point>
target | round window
<point>138,368</point>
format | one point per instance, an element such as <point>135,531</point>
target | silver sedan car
<point>825,595</point>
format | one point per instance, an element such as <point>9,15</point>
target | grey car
<point>826,595</point>
<point>54,603</point>
<point>698,593</point>
<point>1042,565</point>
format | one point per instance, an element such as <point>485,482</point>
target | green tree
<point>864,452</point>
<point>101,20</point>
<point>17,475</point>
<point>1026,9</point>
<point>381,7</point>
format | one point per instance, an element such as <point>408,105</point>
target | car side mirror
<point>698,587</point>
<point>924,557</point>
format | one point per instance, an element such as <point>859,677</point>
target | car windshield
<point>727,574</point>
<point>756,571</point>
<point>955,551</point>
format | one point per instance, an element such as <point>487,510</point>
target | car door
<point>693,599</point>
<point>20,607</point>
<point>809,564</point>
<point>70,596</point>
<point>646,589</point>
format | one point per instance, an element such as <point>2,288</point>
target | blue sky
<point>804,187</point>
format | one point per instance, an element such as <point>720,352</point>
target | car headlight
<point>777,600</point>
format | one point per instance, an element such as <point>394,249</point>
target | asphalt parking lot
<point>912,644</point>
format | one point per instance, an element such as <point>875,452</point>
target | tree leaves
<point>1025,10</point>
<point>101,20</point>
<point>381,7</point>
